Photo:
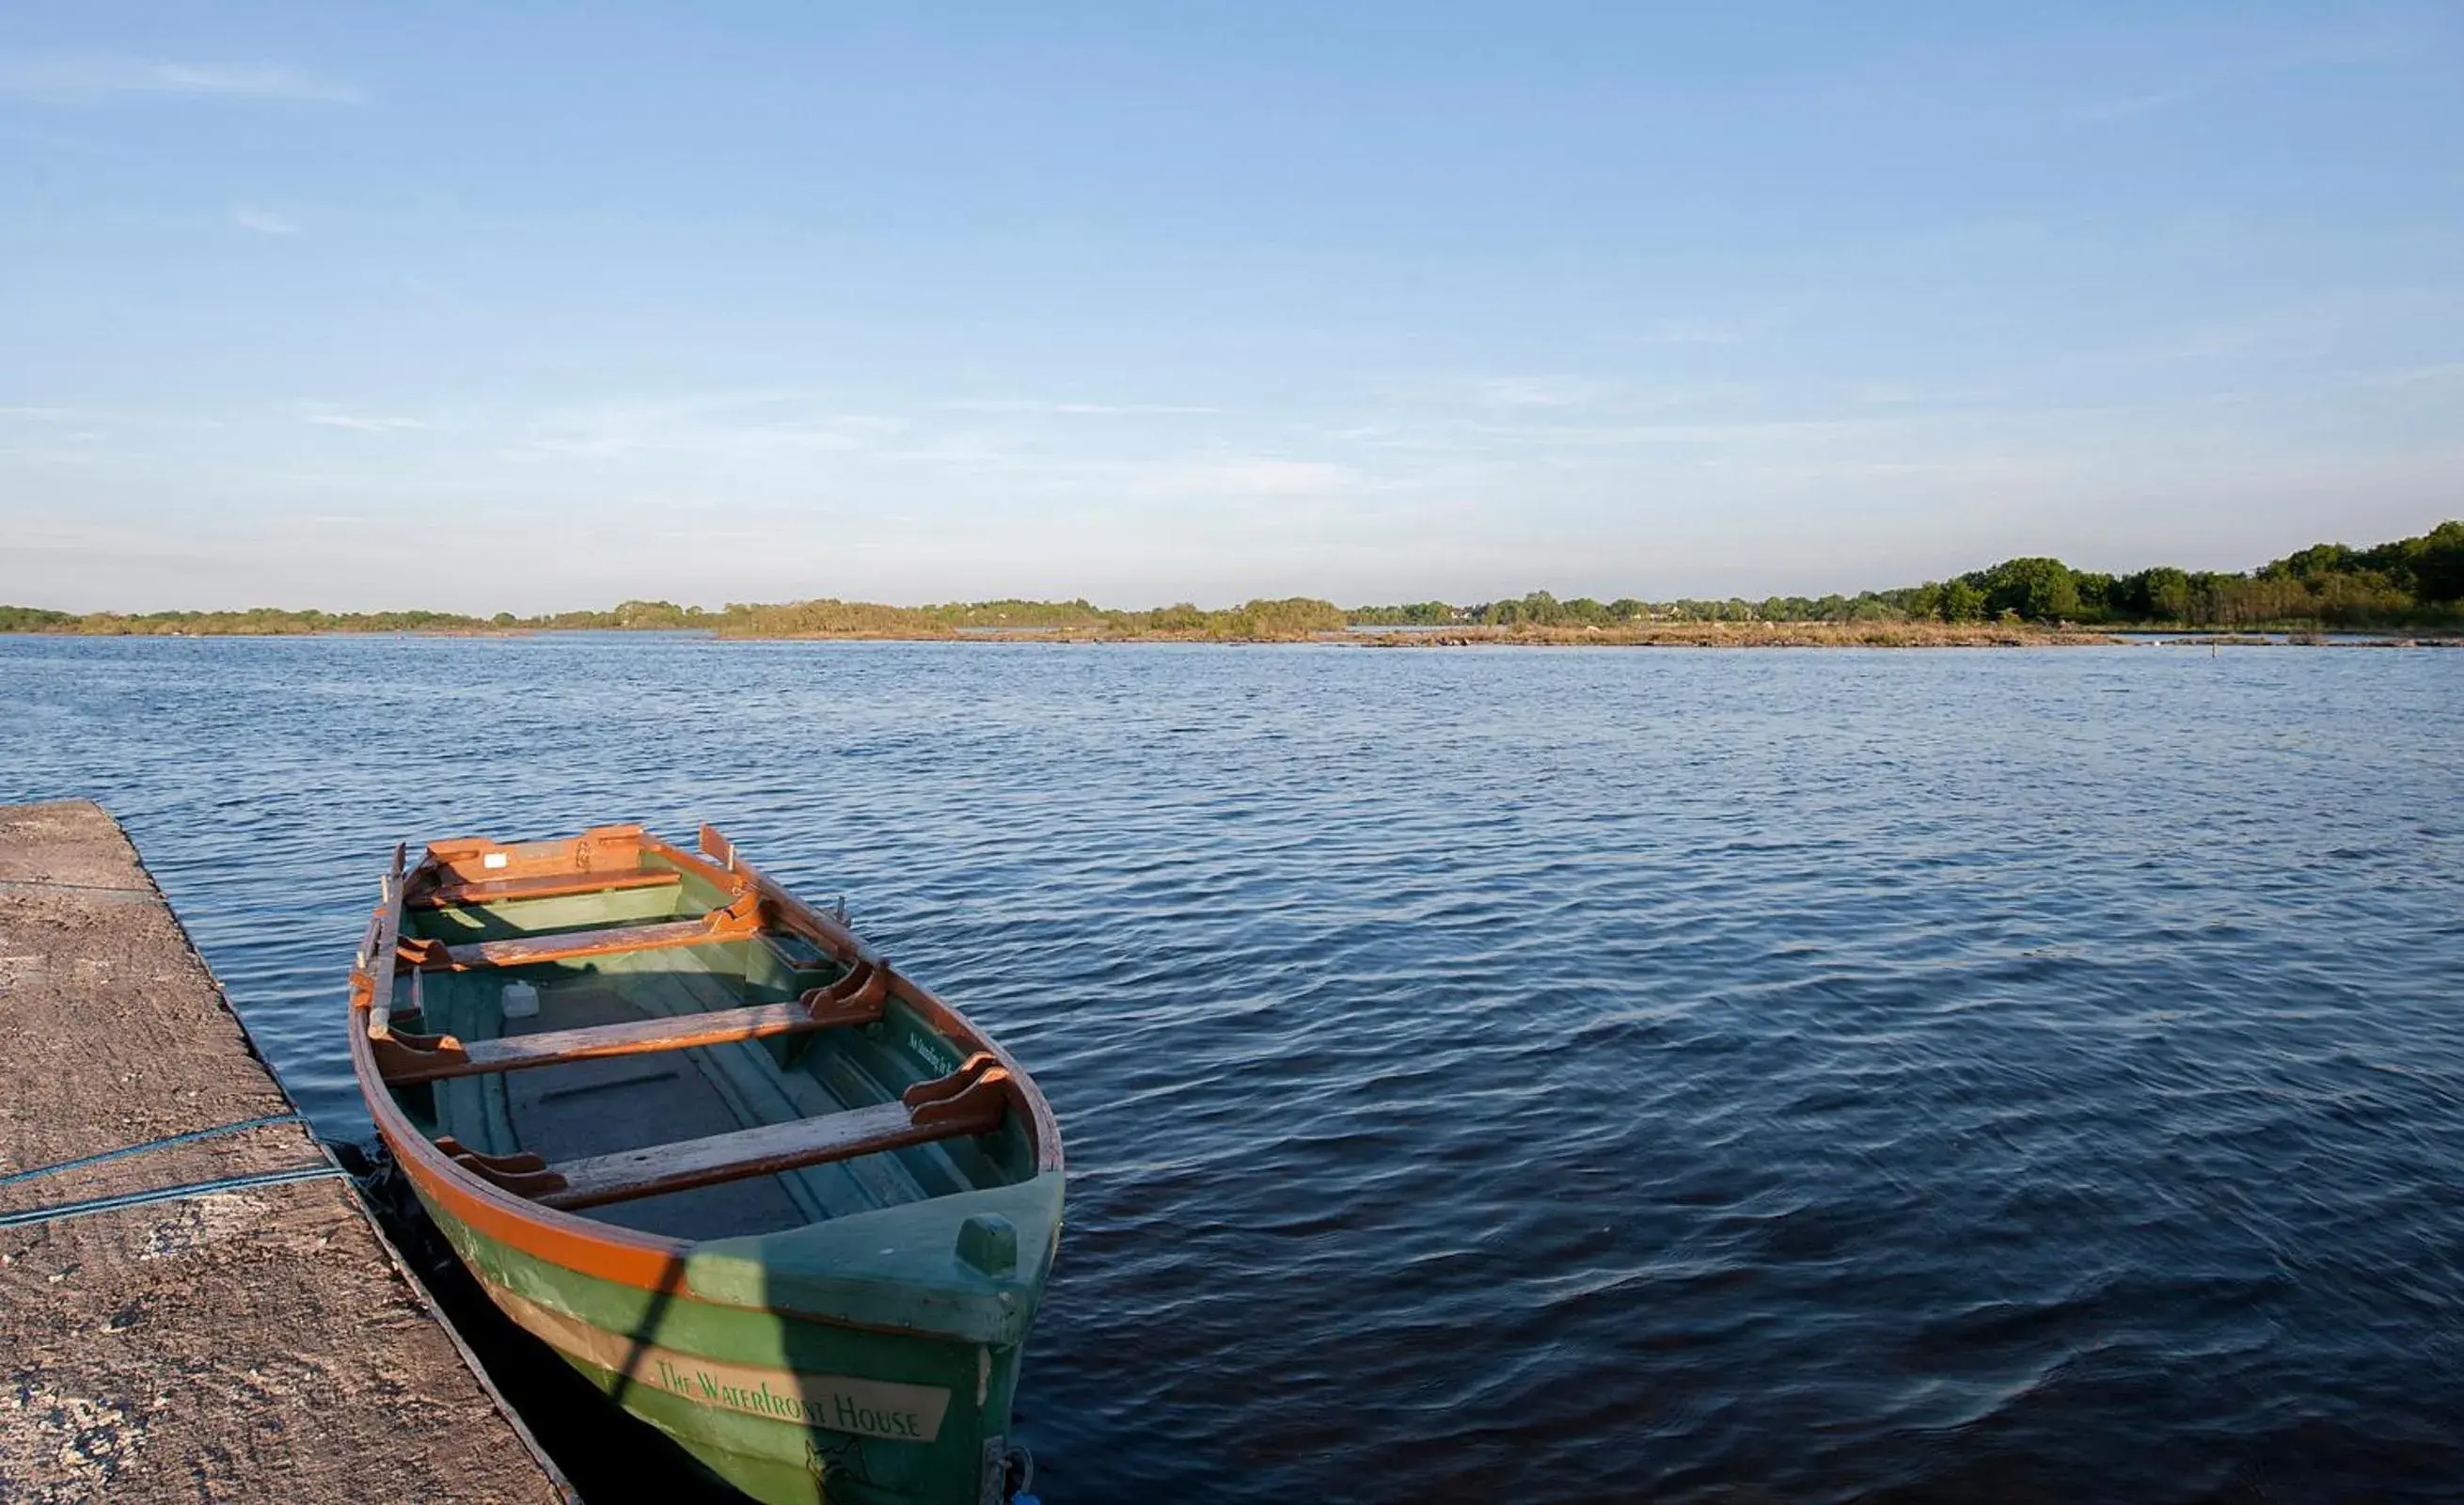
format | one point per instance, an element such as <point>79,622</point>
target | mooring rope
<point>14,1177</point>
<point>137,1198</point>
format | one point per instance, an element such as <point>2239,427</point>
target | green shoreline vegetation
<point>2413,585</point>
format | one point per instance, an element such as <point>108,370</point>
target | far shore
<point>2406,591</point>
<point>1658,634</point>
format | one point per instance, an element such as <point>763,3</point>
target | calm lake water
<point>1531,1075</point>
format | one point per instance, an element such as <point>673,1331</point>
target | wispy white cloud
<point>1537,391</point>
<point>65,78</point>
<point>1698,331</point>
<point>1518,398</point>
<point>1247,476</point>
<point>2129,107</point>
<point>1878,393</point>
<point>1752,431</point>
<point>723,426</point>
<point>2375,45</point>
<point>2440,373</point>
<point>1079,409</point>
<point>362,423</point>
<point>264,221</point>
<point>2307,327</point>
<point>87,425</point>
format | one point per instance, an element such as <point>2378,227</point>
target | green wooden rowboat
<point>772,1196</point>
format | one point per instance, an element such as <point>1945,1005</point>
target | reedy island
<point>2409,583</point>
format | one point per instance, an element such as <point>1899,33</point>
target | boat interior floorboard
<point>598,1106</point>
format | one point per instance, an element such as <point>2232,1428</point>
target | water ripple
<point>1532,1076</point>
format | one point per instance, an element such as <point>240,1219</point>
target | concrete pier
<point>247,1336</point>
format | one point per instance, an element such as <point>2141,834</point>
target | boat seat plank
<point>681,1032</point>
<point>856,999</point>
<point>526,950</point>
<point>550,885</point>
<point>773,1147</point>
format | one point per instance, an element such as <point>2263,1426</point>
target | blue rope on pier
<point>137,1198</point>
<point>14,1177</point>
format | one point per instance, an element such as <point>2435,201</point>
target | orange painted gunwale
<point>584,1244</point>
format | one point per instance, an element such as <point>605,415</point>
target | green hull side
<point>688,1367</point>
<point>779,1463</point>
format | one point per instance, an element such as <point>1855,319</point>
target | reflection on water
<point>1531,1075</point>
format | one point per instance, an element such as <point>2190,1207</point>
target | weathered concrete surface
<point>259,1343</point>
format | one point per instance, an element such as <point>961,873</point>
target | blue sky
<point>538,307</point>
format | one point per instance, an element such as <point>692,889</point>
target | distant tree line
<point>2410,582</point>
<point>255,621</point>
<point>1296,617</point>
<point>2415,581</point>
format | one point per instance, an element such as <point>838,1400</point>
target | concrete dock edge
<point>213,1317</point>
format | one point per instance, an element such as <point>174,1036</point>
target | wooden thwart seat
<point>735,923</point>
<point>970,1100</point>
<point>856,999</point>
<point>551,885</point>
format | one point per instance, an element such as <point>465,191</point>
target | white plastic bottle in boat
<point>522,1001</point>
